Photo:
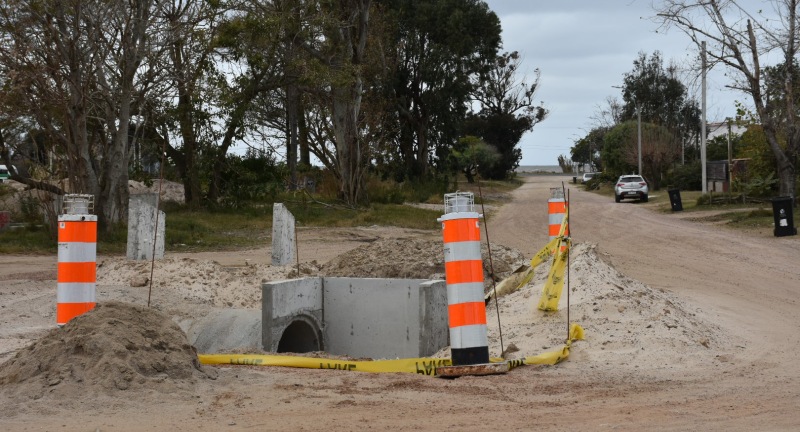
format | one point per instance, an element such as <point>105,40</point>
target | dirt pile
<point>414,259</point>
<point>627,321</point>
<point>198,281</point>
<point>117,346</point>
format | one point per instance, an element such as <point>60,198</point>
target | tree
<point>660,148</point>
<point>471,154</point>
<point>76,70</point>
<point>436,46</point>
<point>507,112</point>
<point>738,41</point>
<point>660,96</point>
<point>182,106</point>
<point>587,150</point>
<point>339,46</point>
<point>617,144</point>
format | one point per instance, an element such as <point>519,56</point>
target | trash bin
<point>675,199</point>
<point>784,219</point>
<point>574,180</point>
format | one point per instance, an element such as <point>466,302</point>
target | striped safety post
<point>77,257</point>
<point>556,208</point>
<point>464,276</point>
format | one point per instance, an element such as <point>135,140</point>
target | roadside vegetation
<point>724,209</point>
<point>249,224</point>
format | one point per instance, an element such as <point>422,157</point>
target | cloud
<point>583,48</point>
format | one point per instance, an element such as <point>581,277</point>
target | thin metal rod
<point>491,270</point>
<point>569,252</point>
<point>158,204</point>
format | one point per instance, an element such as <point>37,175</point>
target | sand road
<point>742,289</point>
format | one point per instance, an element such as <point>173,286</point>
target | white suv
<point>631,186</point>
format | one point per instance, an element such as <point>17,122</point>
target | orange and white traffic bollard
<point>464,276</point>
<point>556,207</point>
<point>77,258</point>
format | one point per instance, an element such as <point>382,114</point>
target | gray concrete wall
<point>376,318</point>
<point>283,302</point>
<point>142,211</point>
<point>284,248</point>
<point>434,327</point>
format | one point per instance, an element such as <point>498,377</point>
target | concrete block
<point>295,302</point>
<point>142,211</point>
<point>434,331</point>
<point>376,318</point>
<point>284,247</point>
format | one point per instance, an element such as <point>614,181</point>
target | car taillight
<point>620,184</point>
<point>642,184</point>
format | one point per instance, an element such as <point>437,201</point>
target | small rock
<point>139,281</point>
<point>511,348</point>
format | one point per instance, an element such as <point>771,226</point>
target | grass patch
<point>220,230</point>
<point>734,215</point>
<point>250,226</point>
<point>403,216</point>
<point>224,229</point>
<point>26,240</point>
<point>742,218</point>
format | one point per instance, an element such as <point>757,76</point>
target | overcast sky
<point>583,48</point>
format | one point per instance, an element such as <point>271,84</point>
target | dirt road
<point>750,286</point>
<point>744,377</point>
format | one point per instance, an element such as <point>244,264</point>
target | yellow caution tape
<point>423,366</point>
<point>557,248</point>
<point>524,274</point>
<point>554,285</point>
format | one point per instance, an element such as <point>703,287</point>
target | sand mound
<point>621,317</point>
<point>115,347</point>
<point>414,259</point>
<point>198,281</point>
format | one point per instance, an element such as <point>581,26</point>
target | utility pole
<point>703,120</point>
<point>639,127</point>
<point>730,158</point>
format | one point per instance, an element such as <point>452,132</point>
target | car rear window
<point>631,179</point>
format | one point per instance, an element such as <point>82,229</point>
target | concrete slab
<point>284,245</point>
<point>360,317</point>
<point>284,303</point>
<point>142,214</point>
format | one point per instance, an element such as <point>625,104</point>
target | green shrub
<point>685,177</point>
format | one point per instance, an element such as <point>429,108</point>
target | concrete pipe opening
<point>300,337</point>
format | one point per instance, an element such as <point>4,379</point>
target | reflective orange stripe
<point>462,314</point>
<point>77,272</point>
<point>77,232</point>
<point>456,230</point>
<point>67,311</point>
<point>463,271</point>
<point>556,206</point>
<point>555,228</point>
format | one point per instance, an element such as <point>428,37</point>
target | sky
<point>583,48</point>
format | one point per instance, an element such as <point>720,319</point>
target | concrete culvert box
<point>375,318</point>
<point>300,336</point>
